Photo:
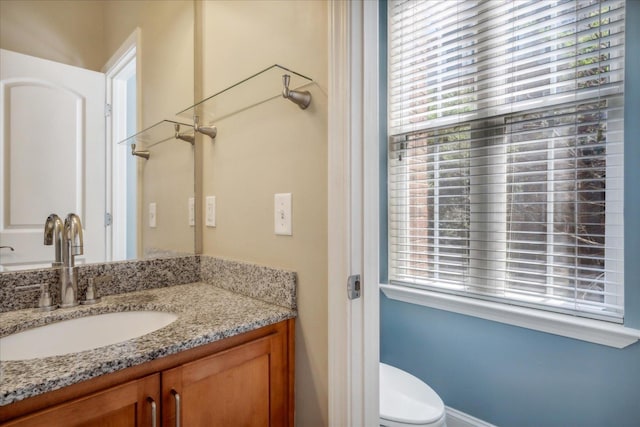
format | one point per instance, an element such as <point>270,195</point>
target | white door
<point>52,156</point>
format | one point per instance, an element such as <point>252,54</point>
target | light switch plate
<point>192,211</point>
<point>210,209</point>
<point>152,215</point>
<point>282,214</point>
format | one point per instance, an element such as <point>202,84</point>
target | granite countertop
<point>206,313</point>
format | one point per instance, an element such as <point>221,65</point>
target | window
<point>506,151</point>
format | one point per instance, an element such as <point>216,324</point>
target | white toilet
<point>406,401</point>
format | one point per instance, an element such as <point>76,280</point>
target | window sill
<point>589,330</point>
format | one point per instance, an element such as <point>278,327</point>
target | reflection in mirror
<point>62,62</point>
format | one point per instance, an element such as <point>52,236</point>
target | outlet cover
<point>210,209</point>
<point>152,215</point>
<point>192,211</point>
<point>282,214</point>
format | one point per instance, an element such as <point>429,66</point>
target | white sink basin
<point>84,333</point>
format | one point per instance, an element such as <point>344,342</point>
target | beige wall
<point>66,31</point>
<point>274,147</point>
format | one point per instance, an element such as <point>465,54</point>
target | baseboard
<point>457,418</point>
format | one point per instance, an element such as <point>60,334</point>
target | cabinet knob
<point>154,415</point>
<point>176,397</point>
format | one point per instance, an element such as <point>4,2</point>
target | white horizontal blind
<point>506,151</point>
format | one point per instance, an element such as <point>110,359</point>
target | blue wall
<point>511,376</point>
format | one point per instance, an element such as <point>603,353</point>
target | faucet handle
<point>91,297</point>
<point>44,303</point>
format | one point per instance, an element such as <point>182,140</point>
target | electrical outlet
<point>192,211</point>
<point>152,215</point>
<point>282,214</point>
<point>210,220</point>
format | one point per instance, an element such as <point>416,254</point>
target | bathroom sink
<point>84,333</point>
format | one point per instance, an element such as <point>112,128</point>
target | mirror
<point>113,192</point>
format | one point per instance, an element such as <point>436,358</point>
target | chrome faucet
<point>72,245</point>
<point>53,236</point>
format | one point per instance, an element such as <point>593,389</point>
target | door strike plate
<point>353,286</point>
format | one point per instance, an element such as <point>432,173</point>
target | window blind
<point>506,151</point>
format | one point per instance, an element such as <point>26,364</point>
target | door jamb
<point>353,228</point>
<point>127,52</point>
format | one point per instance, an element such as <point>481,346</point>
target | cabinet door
<point>243,386</point>
<point>127,405</point>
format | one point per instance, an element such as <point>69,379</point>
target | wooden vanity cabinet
<point>242,386</point>
<point>129,404</point>
<point>246,380</point>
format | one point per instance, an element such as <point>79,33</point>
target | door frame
<point>353,212</point>
<point>115,155</point>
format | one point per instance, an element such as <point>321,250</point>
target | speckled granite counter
<point>206,313</point>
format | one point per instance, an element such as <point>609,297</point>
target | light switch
<point>282,214</point>
<point>152,215</point>
<point>192,211</point>
<point>210,219</point>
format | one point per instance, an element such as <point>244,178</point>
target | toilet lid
<point>406,399</point>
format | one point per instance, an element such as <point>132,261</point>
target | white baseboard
<point>457,418</point>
